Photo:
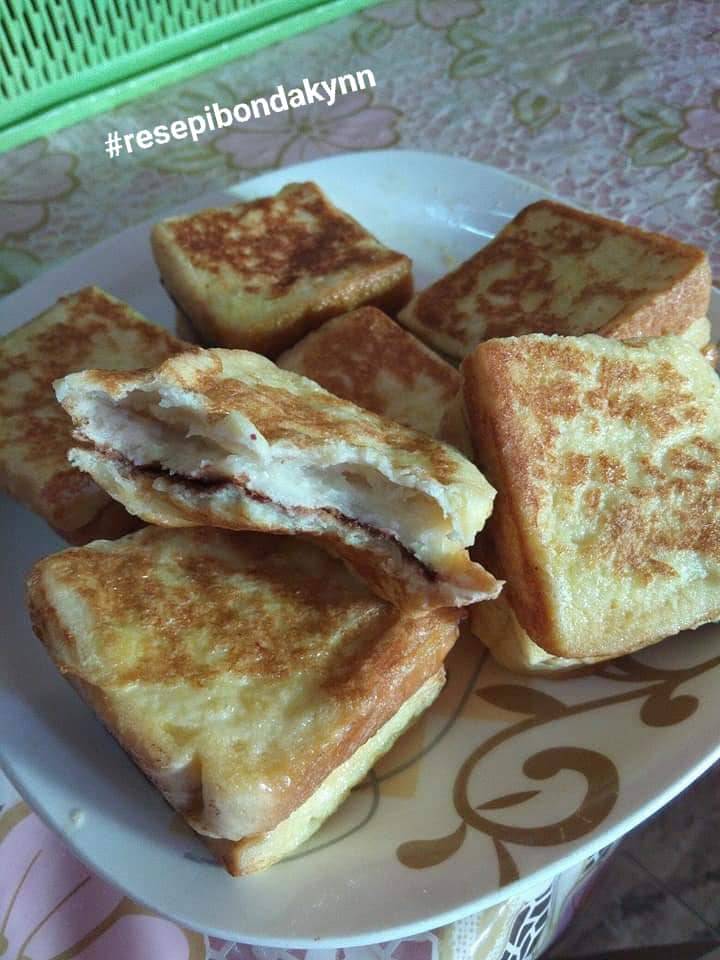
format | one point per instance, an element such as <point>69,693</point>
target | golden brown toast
<point>365,357</point>
<point>253,679</point>
<point>259,275</point>
<point>85,329</point>
<point>225,438</point>
<point>555,269</point>
<point>606,458</point>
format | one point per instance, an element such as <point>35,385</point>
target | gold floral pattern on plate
<point>661,706</point>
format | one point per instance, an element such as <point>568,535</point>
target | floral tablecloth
<point>615,107</point>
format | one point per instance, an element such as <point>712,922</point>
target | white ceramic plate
<point>543,772</point>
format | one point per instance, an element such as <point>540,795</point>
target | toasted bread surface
<point>606,460</point>
<point>259,275</point>
<point>261,851</point>
<point>85,329</point>
<point>225,438</point>
<point>557,270</point>
<point>365,357</point>
<point>238,670</point>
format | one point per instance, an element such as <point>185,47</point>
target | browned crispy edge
<point>667,312</point>
<point>412,650</point>
<point>655,237</point>
<point>231,854</point>
<point>386,287</point>
<point>395,298</point>
<point>488,419</point>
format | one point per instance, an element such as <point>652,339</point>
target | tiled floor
<point>662,886</point>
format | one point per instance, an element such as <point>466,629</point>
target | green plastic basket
<point>64,60</point>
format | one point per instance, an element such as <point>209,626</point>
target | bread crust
<point>492,431</point>
<point>711,354</point>
<point>668,312</point>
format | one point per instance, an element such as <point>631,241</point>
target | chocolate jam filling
<point>211,484</point>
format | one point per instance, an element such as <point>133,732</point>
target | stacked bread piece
<point>313,544</point>
<point>261,274</point>
<point>252,678</point>
<point>86,329</point>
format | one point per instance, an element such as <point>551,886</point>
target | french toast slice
<point>253,679</point>
<point>225,438</point>
<point>366,357</point>
<point>260,274</point>
<point>606,526</point>
<point>557,270</point>
<point>89,328</point>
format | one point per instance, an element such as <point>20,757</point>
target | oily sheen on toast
<point>555,269</point>
<point>258,275</point>
<point>606,526</point>
<point>84,329</point>
<point>366,357</point>
<point>225,438</point>
<point>253,679</point>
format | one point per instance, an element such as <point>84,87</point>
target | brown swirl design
<point>661,707</point>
